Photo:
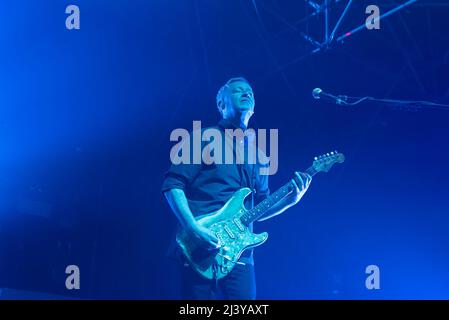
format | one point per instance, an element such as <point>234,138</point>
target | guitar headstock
<point>325,162</point>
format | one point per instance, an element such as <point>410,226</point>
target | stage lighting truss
<point>329,38</point>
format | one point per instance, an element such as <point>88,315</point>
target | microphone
<point>317,93</point>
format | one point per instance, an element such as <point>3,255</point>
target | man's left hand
<point>301,181</point>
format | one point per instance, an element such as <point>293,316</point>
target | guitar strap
<point>248,170</point>
<point>253,185</point>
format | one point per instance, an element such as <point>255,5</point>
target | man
<point>196,189</point>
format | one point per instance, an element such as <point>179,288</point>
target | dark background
<point>85,119</point>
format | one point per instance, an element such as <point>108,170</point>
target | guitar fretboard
<point>259,210</point>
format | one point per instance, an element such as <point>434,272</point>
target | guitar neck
<point>259,210</point>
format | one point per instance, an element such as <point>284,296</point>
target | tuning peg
<point>332,153</point>
<point>316,158</point>
<point>328,154</point>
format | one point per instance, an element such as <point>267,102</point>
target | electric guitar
<point>230,225</point>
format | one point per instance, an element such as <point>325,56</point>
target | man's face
<point>240,97</point>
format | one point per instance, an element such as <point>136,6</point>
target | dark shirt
<point>209,186</point>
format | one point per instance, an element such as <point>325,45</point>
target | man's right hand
<point>206,237</point>
<point>180,206</point>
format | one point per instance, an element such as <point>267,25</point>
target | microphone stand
<point>403,104</point>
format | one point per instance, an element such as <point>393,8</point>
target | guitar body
<point>234,238</point>
<point>229,224</point>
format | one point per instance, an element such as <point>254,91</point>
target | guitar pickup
<point>220,239</point>
<point>239,224</point>
<point>229,232</point>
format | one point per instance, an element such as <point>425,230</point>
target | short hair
<point>222,91</point>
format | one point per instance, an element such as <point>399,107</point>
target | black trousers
<point>240,284</point>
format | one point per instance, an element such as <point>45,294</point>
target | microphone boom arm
<point>353,101</point>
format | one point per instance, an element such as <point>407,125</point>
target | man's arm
<point>178,203</point>
<point>180,206</point>
<point>302,182</point>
